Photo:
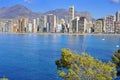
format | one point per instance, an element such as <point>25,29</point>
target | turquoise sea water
<point>32,56</point>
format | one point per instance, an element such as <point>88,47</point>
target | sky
<point>97,8</point>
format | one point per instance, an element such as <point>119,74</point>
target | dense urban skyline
<point>97,8</point>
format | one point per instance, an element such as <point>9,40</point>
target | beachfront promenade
<point>64,33</point>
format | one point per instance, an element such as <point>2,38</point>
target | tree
<point>116,58</point>
<point>73,66</point>
<point>4,79</point>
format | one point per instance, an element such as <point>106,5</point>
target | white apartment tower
<point>70,17</point>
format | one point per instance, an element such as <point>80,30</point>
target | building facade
<point>22,24</point>
<point>42,24</point>
<point>51,23</point>
<point>99,26</point>
<point>70,17</point>
<point>117,27</point>
<point>109,24</point>
<point>82,25</point>
<point>118,16</point>
<point>75,24</point>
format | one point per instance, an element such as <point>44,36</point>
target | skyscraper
<point>109,24</point>
<point>9,25</point>
<point>29,28</point>
<point>34,26</point>
<point>75,24</point>
<point>14,25</point>
<point>82,25</point>
<point>42,23</point>
<point>118,16</point>
<point>117,27</point>
<point>22,24</point>
<point>51,22</point>
<point>99,25</point>
<point>70,17</point>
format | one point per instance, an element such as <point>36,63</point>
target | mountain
<point>63,13</point>
<point>16,11</point>
<point>20,10</point>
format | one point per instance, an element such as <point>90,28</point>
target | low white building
<point>59,28</point>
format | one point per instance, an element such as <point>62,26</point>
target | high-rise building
<point>59,28</point>
<point>117,27</point>
<point>35,28</point>
<point>70,17</point>
<point>2,26</point>
<point>42,23</point>
<point>118,16</point>
<point>14,25</point>
<point>99,26</point>
<point>89,27</point>
<point>9,25</point>
<point>75,24</point>
<point>82,25</point>
<point>109,24</point>
<point>22,24</point>
<point>29,28</point>
<point>5,25</point>
<point>51,22</point>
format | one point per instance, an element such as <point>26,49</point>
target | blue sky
<point>98,8</point>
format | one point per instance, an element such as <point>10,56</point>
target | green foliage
<point>84,67</point>
<point>4,79</point>
<point>116,58</point>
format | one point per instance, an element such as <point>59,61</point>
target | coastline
<point>79,34</point>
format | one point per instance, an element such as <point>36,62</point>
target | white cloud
<point>27,1</point>
<point>116,1</point>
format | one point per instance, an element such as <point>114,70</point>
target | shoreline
<point>79,34</point>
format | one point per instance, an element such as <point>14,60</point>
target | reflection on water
<point>32,56</point>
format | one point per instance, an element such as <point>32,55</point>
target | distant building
<point>70,17</point>
<point>2,26</point>
<point>82,25</point>
<point>62,21</point>
<point>117,27</point>
<point>22,24</point>
<point>99,26</point>
<point>118,16</point>
<point>51,22</point>
<point>79,25</point>
<point>35,27</point>
<point>29,28</point>
<point>14,25</point>
<point>109,24</point>
<point>8,26</point>
<point>42,23</point>
<point>89,27</point>
<point>48,27</point>
<point>59,28</point>
<point>75,24</point>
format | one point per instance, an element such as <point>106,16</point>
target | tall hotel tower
<point>109,24</point>
<point>118,16</point>
<point>22,23</point>
<point>70,17</point>
<point>51,20</point>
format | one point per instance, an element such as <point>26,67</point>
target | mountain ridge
<point>20,10</point>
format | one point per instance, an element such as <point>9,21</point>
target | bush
<point>116,58</point>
